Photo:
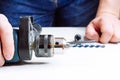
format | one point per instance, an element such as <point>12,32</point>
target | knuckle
<point>103,42</point>
<point>101,19</point>
<point>88,34</point>
<point>3,17</point>
<point>116,37</point>
<point>91,34</point>
<point>108,32</point>
<point>5,26</point>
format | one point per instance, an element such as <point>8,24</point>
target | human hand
<point>6,40</point>
<point>104,28</point>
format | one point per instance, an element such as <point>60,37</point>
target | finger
<point>107,32</point>
<point>116,35</point>
<point>91,33</point>
<point>2,61</point>
<point>6,33</point>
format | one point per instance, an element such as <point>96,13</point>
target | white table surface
<point>70,64</point>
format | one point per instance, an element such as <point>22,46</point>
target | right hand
<point>104,28</point>
<point>6,40</point>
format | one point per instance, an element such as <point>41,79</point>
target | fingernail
<point>8,56</point>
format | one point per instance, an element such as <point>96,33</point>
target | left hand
<point>104,28</point>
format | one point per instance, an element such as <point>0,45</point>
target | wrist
<point>109,7</point>
<point>108,13</point>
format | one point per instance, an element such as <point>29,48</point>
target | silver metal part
<point>46,46</point>
<point>82,41</point>
<point>48,53</point>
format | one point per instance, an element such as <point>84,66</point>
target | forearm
<point>109,6</point>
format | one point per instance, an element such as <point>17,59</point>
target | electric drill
<point>27,40</point>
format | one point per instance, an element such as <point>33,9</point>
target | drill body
<point>27,40</point>
<point>16,57</point>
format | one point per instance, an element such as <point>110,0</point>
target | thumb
<point>6,35</point>
<point>91,32</point>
